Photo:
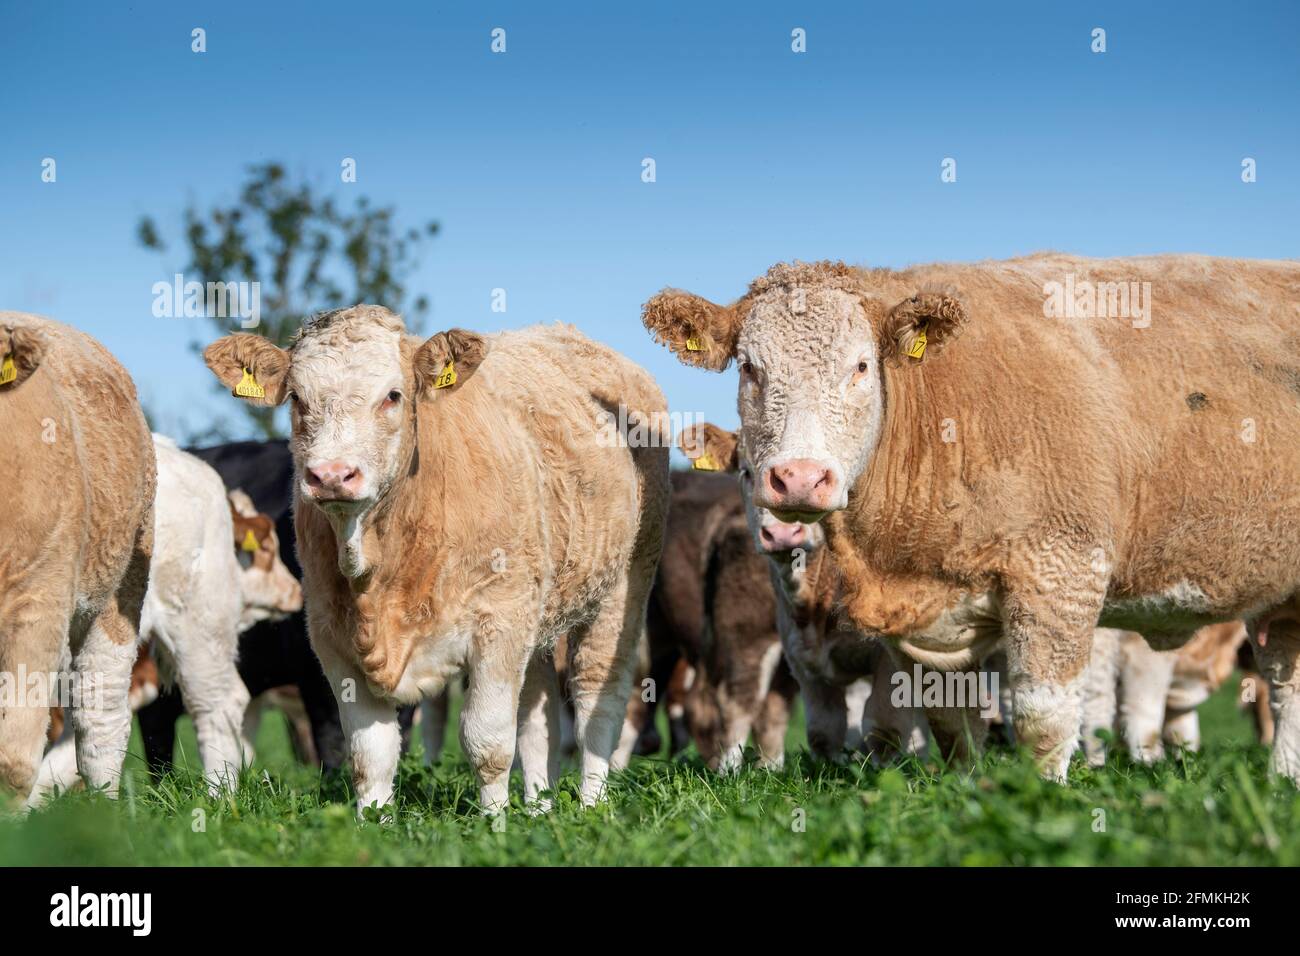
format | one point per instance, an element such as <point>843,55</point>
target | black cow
<point>271,653</point>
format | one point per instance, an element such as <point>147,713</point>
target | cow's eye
<point>747,368</point>
<point>393,398</point>
<point>862,368</point>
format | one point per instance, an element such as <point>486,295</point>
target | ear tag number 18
<point>8,372</point>
<point>447,377</point>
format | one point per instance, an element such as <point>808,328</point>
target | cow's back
<point>195,572</point>
<point>587,486</point>
<point>79,474</point>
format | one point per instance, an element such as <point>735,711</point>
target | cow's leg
<point>489,716</point>
<point>1279,663</point>
<point>826,715</point>
<point>370,731</point>
<point>433,725</point>
<point>158,730</point>
<point>1145,678</point>
<point>679,686</point>
<point>890,726</point>
<point>31,640</point>
<point>102,658</point>
<point>634,721</point>
<point>58,768</point>
<point>737,706</point>
<point>216,699</point>
<point>961,723</point>
<point>539,731</point>
<point>1183,729</point>
<point>773,720</point>
<point>861,721</point>
<point>1100,701</point>
<point>602,661</point>
<point>1048,626</point>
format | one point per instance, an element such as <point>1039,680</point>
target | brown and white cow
<point>460,502</point>
<point>741,683</point>
<point>1065,435</point>
<point>78,478</point>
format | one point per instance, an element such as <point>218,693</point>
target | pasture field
<point>1215,808</point>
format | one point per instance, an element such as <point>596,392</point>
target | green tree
<point>307,253</point>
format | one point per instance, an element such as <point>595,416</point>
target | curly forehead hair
<point>824,274</point>
<point>323,322</point>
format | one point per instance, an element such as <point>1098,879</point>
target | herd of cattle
<point>1095,518</point>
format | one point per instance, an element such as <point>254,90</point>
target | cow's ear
<point>698,332</point>
<point>710,448</point>
<point>919,327</point>
<point>21,350</point>
<point>252,367</point>
<point>447,360</point>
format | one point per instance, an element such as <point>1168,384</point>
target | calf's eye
<point>393,398</point>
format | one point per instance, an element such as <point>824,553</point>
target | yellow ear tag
<point>693,344</point>
<point>7,371</point>
<point>918,346</point>
<point>447,377</point>
<point>705,463</point>
<point>248,387</point>
<point>250,541</point>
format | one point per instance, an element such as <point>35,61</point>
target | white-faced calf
<point>460,502</point>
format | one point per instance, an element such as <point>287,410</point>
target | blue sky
<point>531,160</point>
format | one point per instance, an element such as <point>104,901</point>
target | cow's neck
<point>898,510</point>
<point>350,533</point>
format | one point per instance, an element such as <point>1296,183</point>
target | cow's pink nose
<point>333,477</point>
<point>782,536</point>
<point>800,484</point>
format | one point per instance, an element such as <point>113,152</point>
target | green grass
<point>1217,807</point>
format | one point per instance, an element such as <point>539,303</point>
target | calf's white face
<point>353,379</point>
<point>811,341</point>
<point>346,389</point>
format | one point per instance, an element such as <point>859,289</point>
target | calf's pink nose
<point>334,476</point>
<point>782,536</point>
<point>800,484</point>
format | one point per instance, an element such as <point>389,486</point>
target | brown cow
<point>78,477</point>
<point>460,502</point>
<point>741,682</point>
<point>1034,433</point>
